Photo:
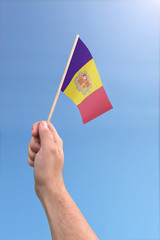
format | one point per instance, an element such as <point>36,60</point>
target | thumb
<point>45,134</point>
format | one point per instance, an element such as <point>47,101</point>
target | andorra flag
<point>82,84</point>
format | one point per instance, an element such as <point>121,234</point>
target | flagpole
<point>62,80</point>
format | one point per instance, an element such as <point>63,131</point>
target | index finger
<point>35,131</point>
<point>54,132</point>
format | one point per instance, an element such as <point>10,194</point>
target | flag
<point>82,84</point>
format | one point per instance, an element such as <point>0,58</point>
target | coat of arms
<point>83,82</point>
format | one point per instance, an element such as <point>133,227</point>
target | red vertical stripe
<point>94,105</point>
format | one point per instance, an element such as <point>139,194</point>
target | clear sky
<point>111,164</point>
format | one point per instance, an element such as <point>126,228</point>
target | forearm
<point>45,154</point>
<point>65,219</point>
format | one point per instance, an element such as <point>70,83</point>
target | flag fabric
<point>82,84</point>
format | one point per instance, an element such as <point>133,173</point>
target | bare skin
<point>45,154</point>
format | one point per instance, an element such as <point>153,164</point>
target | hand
<point>45,154</point>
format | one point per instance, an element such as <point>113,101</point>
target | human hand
<point>45,154</point>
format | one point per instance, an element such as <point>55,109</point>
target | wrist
<point>50,190</point>
<point>52,199</point>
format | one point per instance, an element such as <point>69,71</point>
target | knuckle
<point>61,141</point>
<point>35,147</point>
<point>32,155</point>
<point>30,162</point>
<point>53,149</point>
<point>61,153</point>
<point>31,147</point>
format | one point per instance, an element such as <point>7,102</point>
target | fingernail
<point>44,124</point>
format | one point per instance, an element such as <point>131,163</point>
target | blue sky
<point>112,163</point>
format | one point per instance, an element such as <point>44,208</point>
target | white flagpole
<point>62,80</point>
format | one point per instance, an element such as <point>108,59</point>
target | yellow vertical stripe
<point>73,93</point>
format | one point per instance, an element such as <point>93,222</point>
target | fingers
<point>35,144</point>
<point>43,135</point>
<point>30,162</point>
<point>35,131</point>
<point>55,134</point>
<point>33,148</point>
<point>31,156</point>
<point>46,136</point>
